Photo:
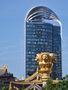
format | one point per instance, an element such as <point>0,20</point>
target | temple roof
<point>3,70</point>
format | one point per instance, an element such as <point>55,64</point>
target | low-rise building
<point>5,77</point>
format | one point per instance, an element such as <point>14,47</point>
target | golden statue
<point>45,62</point>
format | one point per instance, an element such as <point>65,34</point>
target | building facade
<point>43,34</point>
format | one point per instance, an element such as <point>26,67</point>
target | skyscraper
<point>43,34</point>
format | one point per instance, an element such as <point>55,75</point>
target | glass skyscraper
<point>43,34</point>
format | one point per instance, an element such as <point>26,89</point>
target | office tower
<point>43,34</point>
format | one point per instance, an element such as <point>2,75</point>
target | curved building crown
<point>40,13</point>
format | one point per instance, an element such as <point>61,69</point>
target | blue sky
<point>12,33</point>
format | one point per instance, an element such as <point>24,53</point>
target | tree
<point>48,86</point>
<point>3,86</point>
<point>61,85</point>
<point>65,78</point>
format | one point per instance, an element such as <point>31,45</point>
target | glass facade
<point>42,36</point>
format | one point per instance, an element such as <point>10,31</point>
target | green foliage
<point>62,85</point>
<point>31,89</point>
<point>65,78</point>
<point>22,89</point>
<point>48,86</point>
<point>3,87</point>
